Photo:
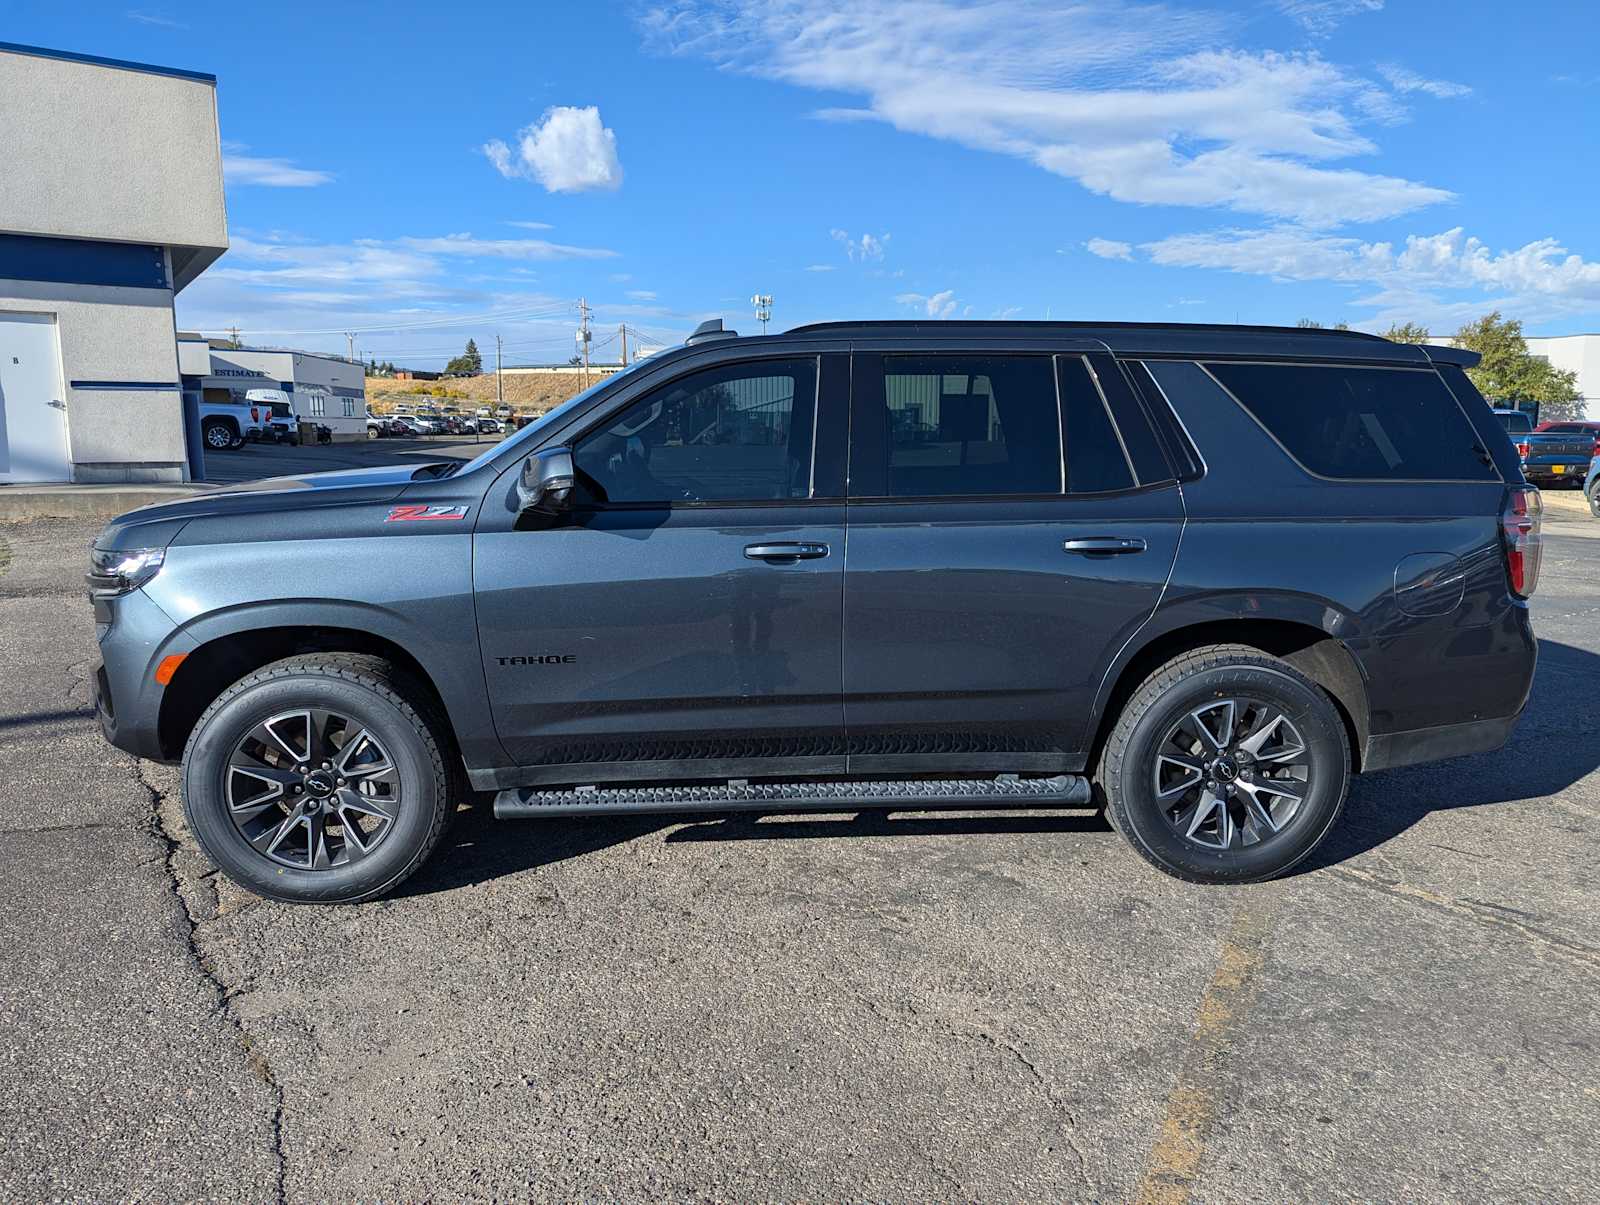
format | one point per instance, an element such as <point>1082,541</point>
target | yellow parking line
<point>1180,1144</point>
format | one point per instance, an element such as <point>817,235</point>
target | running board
<point>739,795</point>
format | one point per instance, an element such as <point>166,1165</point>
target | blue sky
<point>420,172</point>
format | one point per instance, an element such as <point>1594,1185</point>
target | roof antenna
<point>708,330</point>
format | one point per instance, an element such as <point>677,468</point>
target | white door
<point>33,410</point>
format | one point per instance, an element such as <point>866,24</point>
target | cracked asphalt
<point>884,1007</point>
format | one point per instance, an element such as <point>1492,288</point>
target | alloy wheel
<point>1232,773</point>
<point>312,789</point>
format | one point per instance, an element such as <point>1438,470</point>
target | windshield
<point>550,418</point>
<point>1514,421</point>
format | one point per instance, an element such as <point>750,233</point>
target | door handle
<point>1104,545</point>
<point>785,552</point>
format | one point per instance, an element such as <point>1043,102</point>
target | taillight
<point>1522,450</point>
<point>1519,526</point>
<point>255,416</point>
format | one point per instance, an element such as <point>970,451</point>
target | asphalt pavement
<point>877,1007</point>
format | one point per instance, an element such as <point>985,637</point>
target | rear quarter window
<point>1360,423</point>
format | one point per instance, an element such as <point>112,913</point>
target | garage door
<point>33,422</point>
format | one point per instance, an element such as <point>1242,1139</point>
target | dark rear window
<point>1360,423</point>
<point>1517,423</point>
<point>1095,463</point>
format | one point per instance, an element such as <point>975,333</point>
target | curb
<point>20,503</point>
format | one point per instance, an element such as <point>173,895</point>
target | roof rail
<point>957,325</point>
<point>709,330</point>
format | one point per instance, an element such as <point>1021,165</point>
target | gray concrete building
<point>322,388</point>
<point>111,202</point>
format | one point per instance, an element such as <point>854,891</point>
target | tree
<point>468,363</point>
<point>1311,324</point>
<point>1507,372</point>
<point>1407,332</point>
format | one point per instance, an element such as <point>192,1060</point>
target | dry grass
<point>524,394</point>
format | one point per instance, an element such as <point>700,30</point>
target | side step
<point>739,795</point>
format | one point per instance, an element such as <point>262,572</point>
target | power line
<point>443,320</point>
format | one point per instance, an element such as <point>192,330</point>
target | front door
<point>33,427</point>
<point>993,570</point>
<point>684,620</point>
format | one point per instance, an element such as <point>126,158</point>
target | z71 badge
<point>416,514</point>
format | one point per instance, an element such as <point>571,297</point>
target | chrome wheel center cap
<point>1225,769</point>
<point>319,784</point>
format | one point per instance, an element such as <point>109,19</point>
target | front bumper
<point>134,635</point>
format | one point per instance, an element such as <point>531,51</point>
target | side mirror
<point>545,486</point>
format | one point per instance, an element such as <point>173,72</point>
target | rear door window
<point>1360,423</point>
<point>1096,461</point>
<point>942,426</point>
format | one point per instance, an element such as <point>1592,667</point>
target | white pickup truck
<point>225,425</point>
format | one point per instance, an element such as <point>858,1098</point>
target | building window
<point>318,405</point>
<point>349,407</point>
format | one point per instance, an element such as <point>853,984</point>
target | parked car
<point>225,425</point>
<point>378,427</point>
<point>1591,486</point>
<point>486,425</point>
<point>1558,453</point>
<point>1197,575</point>
<point>278,422</point>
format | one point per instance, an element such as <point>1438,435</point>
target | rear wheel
<point>1226,766</point>
<point>1594,500</point>
<point>321,778</point>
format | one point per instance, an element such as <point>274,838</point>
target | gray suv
<point>1197,576</point>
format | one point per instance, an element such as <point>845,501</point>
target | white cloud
<point>1131,101</point>
<point>1107,248</point>
<point>1322,17</point>
<point>239,168</point>
<point>641,294</point>
<point>532,225</point>
<point>939,305</point>
<point>864,249</point>
<point>1427,274</point>
<point>820,267</point>
<point>566,150</point>
<point>144,18</point>
<point>503,248</point>
<point>1010,311</point>
<point>1402,79</point>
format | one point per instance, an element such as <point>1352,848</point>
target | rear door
<point>1011,523</point>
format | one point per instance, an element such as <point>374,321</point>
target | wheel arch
<point>1314,652</point>
<point>222,660</point>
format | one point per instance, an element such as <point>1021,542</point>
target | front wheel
<point>322,778</point>
<point>1226,766</point>
<point>218,436</point>
<point>1594,501</point>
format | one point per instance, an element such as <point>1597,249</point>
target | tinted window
<point>1095,462</point>
<point>950,426</point>
<point>1362,423</point>
<point>1144,450</point>
<point>1179,446</point>
<point>1515,422</point>
<point>741,433</point>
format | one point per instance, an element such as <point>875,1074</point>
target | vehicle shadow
<point>1556,744</point>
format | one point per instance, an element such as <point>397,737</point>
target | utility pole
<point>584,335</point>
<point>233,334</point>
<point>623,331</point>
<point>763,304</point>
<point>350,341</point>
<point>499,380</point>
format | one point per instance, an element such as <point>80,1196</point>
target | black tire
<point>399,711</point>
<point>218,436</point>
<point>1594,501</point>
<point>1128,769</point>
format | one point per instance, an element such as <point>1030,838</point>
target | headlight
<point>115,571</point>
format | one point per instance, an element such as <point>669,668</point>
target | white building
<point>325,389</point>
<point>1575,353</point>
<point>110,204</point>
